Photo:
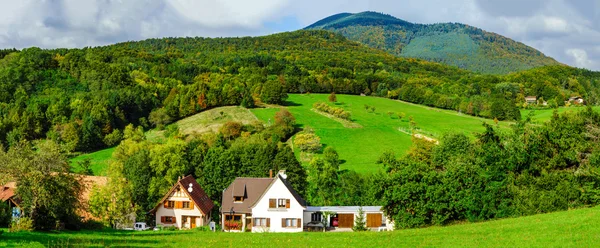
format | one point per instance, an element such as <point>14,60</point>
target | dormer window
<point>238,199</point>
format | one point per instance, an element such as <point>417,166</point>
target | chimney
<point>271,173</point>
<point>282,174</point>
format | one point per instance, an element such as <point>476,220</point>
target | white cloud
<point>548,25</point>
<point>580,57</point>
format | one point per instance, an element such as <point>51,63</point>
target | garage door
<point>374,220</point>
<point>345,220</point>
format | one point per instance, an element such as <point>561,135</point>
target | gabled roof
<point>7,191</point>
<point>294,193</point>
<point>198,196</point>
<point>252,188</point>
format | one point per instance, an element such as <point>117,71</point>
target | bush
<point>308,142</point>
<point>23,224</point>
<point>337,112</point>
<point>113,138</point>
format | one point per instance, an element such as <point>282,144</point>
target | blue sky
<point>567,30</point>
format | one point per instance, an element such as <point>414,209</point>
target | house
<point>185,206</point>
<point>531,100</point>
<point>8,194</point>
<point>576,100</point>
<point>343,217</point>
<point>262,205</point>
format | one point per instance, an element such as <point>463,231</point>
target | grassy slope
<point>361,147</point>
<point>200,123</point>
<point>99,160</point>
<point>543,115</point>
<point>574,228</point>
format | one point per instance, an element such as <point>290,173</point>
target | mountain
<point>454,44</point>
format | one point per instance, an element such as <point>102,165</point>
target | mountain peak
<point>454,44</point>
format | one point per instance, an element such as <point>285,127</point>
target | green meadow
<point>543,115</point>
<point>98,161</point>
<point>573,228</point>
<point>359,148</point>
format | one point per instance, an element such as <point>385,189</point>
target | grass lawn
<point>543,115</point>
<point>99,160</point>
<point>359,148</point>
<point>574,228</point>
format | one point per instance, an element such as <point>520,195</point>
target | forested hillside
<point>454,44</point>
<point>83,98</point>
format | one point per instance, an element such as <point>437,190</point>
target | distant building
<point>531,99</point>
<point>576,100</point>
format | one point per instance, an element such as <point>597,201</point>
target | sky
<point>568,31</point>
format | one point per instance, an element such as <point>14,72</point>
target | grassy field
<point>574,228</point>
<point>359,148</point>
<point>98,160</point>
<point>207,121</point>
<point>543,115</point>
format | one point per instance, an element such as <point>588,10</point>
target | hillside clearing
<point>574,228</point>
<point>359,148</point>
<point>207,121</point>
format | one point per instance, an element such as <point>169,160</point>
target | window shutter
<point>173,219</point>
<point>178,204</point>
<point>268,222</point>
<point>166,204</point>
<point>287,203</point>
<point>282,222</point>
<point>272,203</point>
<point>299,223</point>
<point>191,204</point>
<point>162,219</point>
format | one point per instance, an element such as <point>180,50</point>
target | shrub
<point>23,224</point>
<point>308,142</point>
<point>337,112</point>
<point>113,138</point>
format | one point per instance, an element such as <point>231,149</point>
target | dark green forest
<point>454,44</point>
<point>83,98</point>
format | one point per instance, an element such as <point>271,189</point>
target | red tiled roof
<point>6,193</point>
<point>197,195</point>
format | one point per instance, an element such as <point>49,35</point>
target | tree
<point>159,118</point>
<point>273,92</point>
<point>331,157</point>
<point>360,222</point>
<point>248,100</point>
<point>285,121</point>
<point>401,115</point>
<point>85,167</point>
<point>113,203</point>
<point>231,130</point>
<point>332,97</point>
<point>49,193</point>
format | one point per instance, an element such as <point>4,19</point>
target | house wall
<point>201,219</point>
<point>389,224</point>
<point>261,209</point>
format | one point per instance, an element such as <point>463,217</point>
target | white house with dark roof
<point>262,205</point>
<point>272,205</point>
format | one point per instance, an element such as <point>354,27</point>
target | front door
<point>193,222</point>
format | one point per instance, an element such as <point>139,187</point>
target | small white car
<point>141,226</point>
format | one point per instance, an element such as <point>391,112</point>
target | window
<point>290,222</point>
<point>170,204</point>
<point>281,203</point>
<point>235,217</point>
<point>238,199</point>
<point>185,205</point>
<point>260,222</point>
<point>169,219</point>
<point>318,216</point>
